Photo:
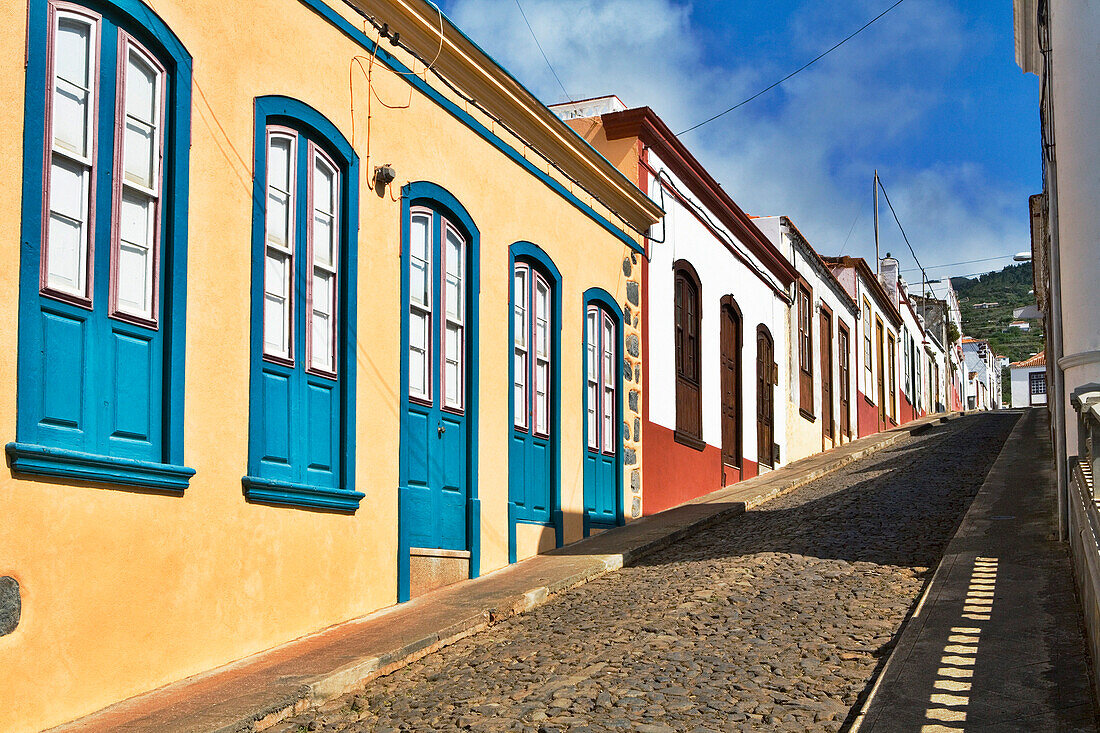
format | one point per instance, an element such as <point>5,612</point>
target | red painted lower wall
<point>866,416</point>
<point>908,412</point>
<point>676,473</point>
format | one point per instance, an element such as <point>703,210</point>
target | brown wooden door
<point>731,387</point>
<point>765,397</point>
<point>826,375</point>
<point>845,380</point>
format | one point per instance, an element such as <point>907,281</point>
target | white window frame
<point>425,308</point>
<point>315,157</point>
<point>286,251</point>
<point>521,328</point>
<point>127,45</point>
<point>455,321</point>
<point>87,162</point>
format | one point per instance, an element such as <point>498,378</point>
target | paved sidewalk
<point>257,692</point>
<point>996,642</point>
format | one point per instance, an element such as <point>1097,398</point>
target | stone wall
<point>632,385</point>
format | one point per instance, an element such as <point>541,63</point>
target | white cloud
<point>809,149</point>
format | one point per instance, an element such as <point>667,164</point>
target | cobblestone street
<point>775,619</point>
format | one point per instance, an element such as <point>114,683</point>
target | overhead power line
<point>544,57</point>
<point>964,262</point>
<point>796,71</point>
<point>903,235</point>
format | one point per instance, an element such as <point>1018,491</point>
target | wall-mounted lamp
<point>384,175</point>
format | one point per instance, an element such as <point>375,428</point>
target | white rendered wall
<point>721,273</point>
<point>1075,26</point>
<point>869,372</point>
<point>805,437</point>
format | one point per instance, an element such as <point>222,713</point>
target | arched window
<point>302,393</point>
<point>101,362</point>
<point>687,316</point>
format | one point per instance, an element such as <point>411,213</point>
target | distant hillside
<point>1009,289</point>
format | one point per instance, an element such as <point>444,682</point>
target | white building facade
<point>821,374</point>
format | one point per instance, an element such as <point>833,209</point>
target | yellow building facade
<point>225,431</point>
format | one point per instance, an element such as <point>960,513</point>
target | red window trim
<point>607,320</point>
<point>125,41</point>
<point>459,409</point>
<point>292,135</point>
<point>313,152</point>
<point>593,442</point>
<point>526,412</point>
<point>53,7</point>
<point>533,394</point>
<point>428,398</point>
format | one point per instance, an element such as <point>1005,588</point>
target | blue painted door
<point>602,434</point>
<point>434,440</point>
<point>531,464</point>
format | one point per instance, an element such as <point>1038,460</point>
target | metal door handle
<point>441,430</point>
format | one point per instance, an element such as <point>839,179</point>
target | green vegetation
<point>1009,289</point>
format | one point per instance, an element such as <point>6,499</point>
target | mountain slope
<point>1009,289</point>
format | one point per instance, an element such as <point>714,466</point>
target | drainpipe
<point>1055,336</point>
<point>1057,349</point>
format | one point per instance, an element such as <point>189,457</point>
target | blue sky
<point>930,95</point>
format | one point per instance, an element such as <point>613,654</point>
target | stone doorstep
<point>186,705</point>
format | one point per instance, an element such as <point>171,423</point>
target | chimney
<point>888,270</point>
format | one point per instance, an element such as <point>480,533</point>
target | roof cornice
<point>860,265</point>
<point>480,77</point>
<point>643,123</point>
<point>819,265</point>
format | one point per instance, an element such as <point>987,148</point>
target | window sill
<point>39,460</point>
<point>807,414</point>
<point>689,440</point>
<point>285,493</point>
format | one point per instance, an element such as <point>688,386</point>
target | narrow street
<point>775,619</point>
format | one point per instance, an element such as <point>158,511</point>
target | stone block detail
<point>633,346</point>
<point>636,507</point>
<point>11,605</point>
<point>632,380</point>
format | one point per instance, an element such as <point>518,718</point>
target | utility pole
<point>878,260</point>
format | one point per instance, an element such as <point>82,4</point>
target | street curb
<point>926,592</point>
<point>353,677</point>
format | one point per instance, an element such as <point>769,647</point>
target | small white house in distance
<point>1022,325</point>
<point>1029,381</point>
